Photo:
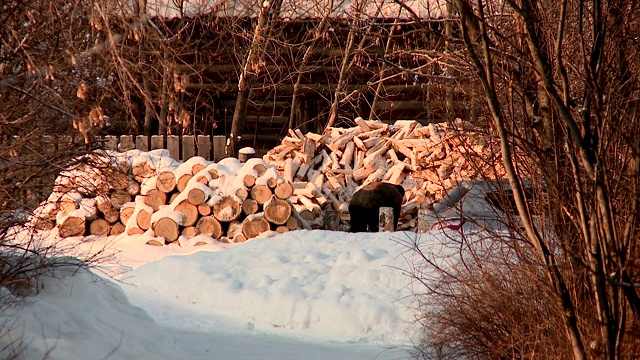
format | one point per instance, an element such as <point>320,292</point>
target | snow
<point>303,294</point>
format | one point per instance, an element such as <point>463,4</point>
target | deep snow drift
<point>303,294</point>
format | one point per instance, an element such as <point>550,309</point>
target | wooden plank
<point>219,145</point>
<point>188,147</point>
<point>204,146</point>
<point>157,142</point>
<point>126,143</point>
<point>111,142</point>
<point>142,142</point>
<point>173,145</point>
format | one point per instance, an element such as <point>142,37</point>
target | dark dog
<point>365,205</point>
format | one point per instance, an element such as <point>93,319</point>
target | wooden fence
<point>180,147</point>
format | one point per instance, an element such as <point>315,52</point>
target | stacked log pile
<point>89,197</point>
<point>228,201</point>
<point>291,187</point>
<point>427,160</point>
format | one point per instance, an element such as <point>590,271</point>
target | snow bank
<point>78,315</point>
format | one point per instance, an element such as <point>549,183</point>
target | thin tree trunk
<point>383,68</point>
<point>333,113</point>
<point>307,54</point>
<point>250,71</point>
<point>546,257</point>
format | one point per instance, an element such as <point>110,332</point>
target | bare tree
<point>563,104</point>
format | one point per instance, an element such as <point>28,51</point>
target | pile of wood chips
<point>306,182</point>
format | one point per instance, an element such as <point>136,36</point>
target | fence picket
<point>204,146</point>
<point>179,147</point>
<point>188,147</point>
<point>173,145</point>
<point>142,142</point>
<point>126,143</point>
<point>157,142</point>
<point>111,142</point>
<point>219,144</point>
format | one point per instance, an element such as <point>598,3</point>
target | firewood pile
<point>149,192</point>
<point>291,187</point>
<point>427,160</point>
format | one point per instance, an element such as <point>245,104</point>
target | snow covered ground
<point>299,295</point>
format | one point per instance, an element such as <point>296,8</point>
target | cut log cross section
<point>168,229</point>
<point>208,225</point>
<point>277,211</point>
<point>189,211</point>
<point>166,182</point>
<point>72,226</point>
<point>155,198</point>
<point>99,227</point>
<point>261,193</point>
<point>254,225</point>
<point>227,209</point>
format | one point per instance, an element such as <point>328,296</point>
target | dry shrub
<point>482,300</point>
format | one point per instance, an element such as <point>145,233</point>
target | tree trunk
<point>250,72</point>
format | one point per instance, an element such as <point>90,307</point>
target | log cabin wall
<point>398,54</point>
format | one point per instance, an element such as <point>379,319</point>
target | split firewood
<point>304,213</point>
<point>362,124</point>
<point>277,211</point>
<point>287,172</point>
<point>208,225</point>
<point>227,208</point>
<point>311,206</point>
<point>254,225</point>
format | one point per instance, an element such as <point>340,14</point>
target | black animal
<point>365,205</point>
